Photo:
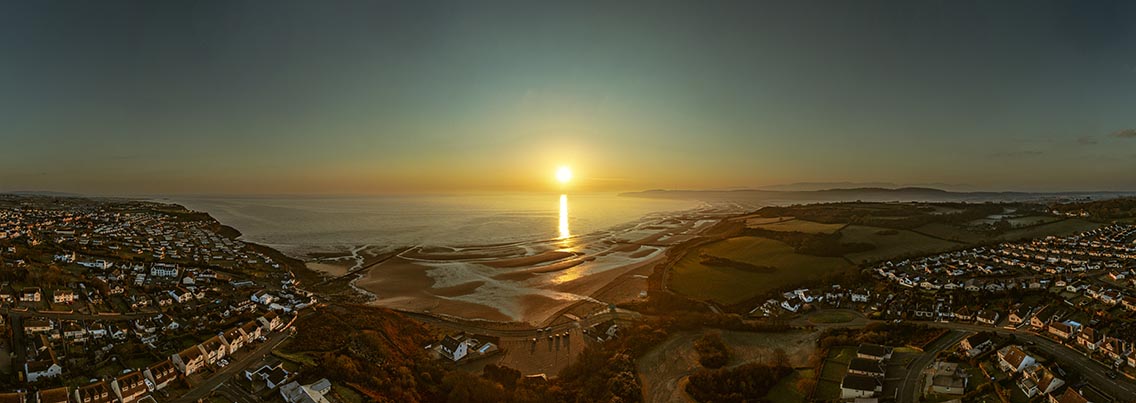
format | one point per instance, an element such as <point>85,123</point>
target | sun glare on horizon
<point>564,174</point>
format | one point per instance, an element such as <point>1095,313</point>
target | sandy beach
<point>532,282</point>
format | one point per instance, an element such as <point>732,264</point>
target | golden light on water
<point>564,233</point>
<point>564,174</point>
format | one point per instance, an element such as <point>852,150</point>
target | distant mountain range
<point>41,193</point>
<point>873,194</point>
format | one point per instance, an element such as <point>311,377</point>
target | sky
<point>302,97</point>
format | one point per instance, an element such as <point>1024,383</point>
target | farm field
<point>952,232</point>
<point>809,227</point>
<point>1022,221</point>
<point>753,221</point>
<point>728,285</point>
<point>1059,228</point>
<point>901,243</point>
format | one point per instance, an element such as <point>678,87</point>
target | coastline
<point>519,283</point>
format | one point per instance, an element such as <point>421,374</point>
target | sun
<point>564,174</point>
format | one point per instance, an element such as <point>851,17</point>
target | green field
<point>1060,228</point>
<point>828,386</point>
<point>1020,221</point>
<point>902,243</point>
<point>728,285</point>
<point>809,227</point>
<point>952,232</point>
<point>786,391</point>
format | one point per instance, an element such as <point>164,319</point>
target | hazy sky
<point>381,97</point>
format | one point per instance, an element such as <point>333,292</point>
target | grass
<point>832,317</point>
<point>728,285</point>
<point>753,222</point>
<point>952,232</point>
<point>786,390</point>
<point>1058,228</point>
<point>346,394</point>
<point>902,243</point>
<point>837,364</point>
<point>300,358</point>
<point>799,226</point>
<point>827,391</point>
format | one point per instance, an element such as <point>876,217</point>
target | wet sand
<point>529,283</point>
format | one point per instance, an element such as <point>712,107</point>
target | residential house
<point>235,339</point>
<point>130,387</point>
<point>866,367</point>
<point>1037,379</point>
<point>1014,359</point>
<point>160,374</point>
<point>63,296</point>
<point>269,321</point>
<point>294,392</point>
<point>874,352</point>
<point>1048,314</point>
<point>1062,330</point>
<point>43,369</point>
<point>96,392</point>
<point>61,394</point>
<point>976,344</point>
<point>164,270</point>
<point>1128,302</point>
<point>251,331</point>
<point>988,316</point>
<point>453,348</point>
<point>13,397</point>
<point>214,349</point>
<point>31,294</point>
<point>948,379</point>
<point>1020,315</point>
<point>964,314</point>
<point>859,386</point>
<point>190,360</point>
<point>1069,396</point>
<point>1113,347</point>
<point>1089,338</point>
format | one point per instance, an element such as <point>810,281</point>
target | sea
<point>299,226</point>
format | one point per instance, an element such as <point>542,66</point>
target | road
<point>79,316</point>
<point>1092,371</point>
<point>908,391</point>
<point>225,374</point>
<point>1123,389</point>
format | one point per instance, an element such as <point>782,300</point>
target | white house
<point>859,386</point>
<point>1013,359</point>
<point>453,348</point>
<point>37,370</point>
<point>164,270</point>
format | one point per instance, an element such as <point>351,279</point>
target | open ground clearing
<point>663,369</point>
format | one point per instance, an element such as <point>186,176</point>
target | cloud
<point>1124,134</point>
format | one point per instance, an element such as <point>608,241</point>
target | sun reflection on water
<point>564,233</point>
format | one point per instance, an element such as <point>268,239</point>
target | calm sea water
<point>302,224</point>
